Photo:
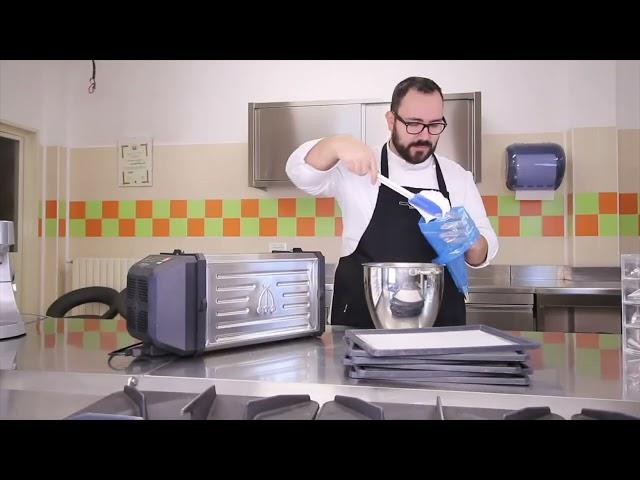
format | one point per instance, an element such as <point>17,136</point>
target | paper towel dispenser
<point>535,166</point>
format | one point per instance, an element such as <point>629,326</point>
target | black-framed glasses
<point>415,128</point>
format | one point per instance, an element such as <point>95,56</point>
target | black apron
<point>392,235</point>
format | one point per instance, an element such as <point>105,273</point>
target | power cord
<point>92,80</point>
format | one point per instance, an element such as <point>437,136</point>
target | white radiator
<point>101,272</point>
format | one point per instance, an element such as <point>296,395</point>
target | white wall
<point>191,102</point>
<point>628,93</point>
<point>33,95</point>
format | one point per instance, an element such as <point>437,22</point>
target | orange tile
<point>536,358</point>
<point>249,207</point>
<point>338,227</point>
<point>608,202</point>
<point>268,227</point>
<point>160,227</point>
<point>286,207</point>
<point>195,227</point>
<point>60,326</point>
<point>39,227</point>
<point>628,203</point>
<point>570,204</point>
<point>587,340</point>
<point>127,227</point>
<point>109,209</point>
<point>325,207</point>
<point>305,227</point>
<point>62,227</point>
<point>509,226</point>
<point>75,339</point>
<point>108,341</point>
<point>553,226</point>
<point>490,205</point>
<point>93,227</point>
<point>49,341</point>
<point>610,364</point>
<point>530,207</point>
<point>91,324</point>
<point>553,337</point>
<point>178,209</point>
<point>121,325</point>
<point>144,209</point>
<point>51,209</point>
<point>77,210</point>
<point>213,208</point>
<point>230,227</point>
<point>586,225</point>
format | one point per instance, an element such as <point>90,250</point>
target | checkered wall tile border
<point>596,214</point>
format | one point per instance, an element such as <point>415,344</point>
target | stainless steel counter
<point>61,366</point>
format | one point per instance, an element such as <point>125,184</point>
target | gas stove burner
<point>133,404</point>
<point>591,414</point>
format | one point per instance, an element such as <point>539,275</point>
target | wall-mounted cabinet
<point>276,129</point>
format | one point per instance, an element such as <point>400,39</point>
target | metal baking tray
<point>437,340</point>
<point>355,352</point>
<point>477,367</point>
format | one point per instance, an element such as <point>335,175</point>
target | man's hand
<point>356,156</point>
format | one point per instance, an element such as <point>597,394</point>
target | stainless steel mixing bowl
<point>403,295</point>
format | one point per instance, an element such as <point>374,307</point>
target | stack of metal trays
<point>469,354</point>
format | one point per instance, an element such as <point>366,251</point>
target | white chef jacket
<point>357,196</point>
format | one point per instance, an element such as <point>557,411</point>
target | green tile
<point>268,207</point>
<point>49,325</point>
<point>629,225</point>
<point>494,223</point>
<point>144,227</point>
<point>608,224</point>
<point>554,355</point>
<point>305,207</point>
<point>249,227</point>
<point>553,207</point>
<point>62,209</point>
<point>39,209</point>
<point>108,325</point>
<point>325,227</point>
<point>91,340</point>
<point>286,227</point>
<point>160,208</point>
<point>536,336</point>
<point>587,203</point>
<point>50,227</point>
<point>508,205</point>
<point>588,362</point>
<point>75,324</point>
<point>127,209</point>
<point>338,211</point>
<point>231,208</point>
<point>178,227</point>
<point>530,226</point>
<point>213,227</point>
<point>110,227</point>
<point>195,208</point>
<point>123,339</point>
<point>93,209</point>
<point>608,341</point>
<point>77,227</point>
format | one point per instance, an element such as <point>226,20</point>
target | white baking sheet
<point>459,339</point>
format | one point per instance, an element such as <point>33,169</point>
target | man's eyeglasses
<point>414,128</point>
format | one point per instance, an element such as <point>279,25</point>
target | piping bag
<point>433,207</point>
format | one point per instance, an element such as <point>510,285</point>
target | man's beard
<point>416,156</point>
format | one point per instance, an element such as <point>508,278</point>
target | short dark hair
<point>421,84</point>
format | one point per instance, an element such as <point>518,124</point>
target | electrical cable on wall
<point>92,80</point>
